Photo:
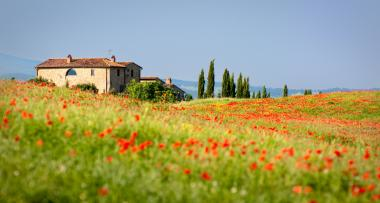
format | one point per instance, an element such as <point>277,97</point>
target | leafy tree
<point>285,92</point>
<point>264,94</point>
<point>210,80</point>
<point>225,84</point>
<point>232,86</point>
<point>239,90</point>
<point>258,96</point>
<point>188,97</point>
<point>201,84</point>
<point>151,91</point>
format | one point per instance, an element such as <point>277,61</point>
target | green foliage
<point>264,94</point>
<point>239,90</point>
<point>87,87</point>
<point>201,85</point>
<point>188,97</point>
<point>285,91</point>
<point>210,80</point>
<point>308,92</point>
<point>151,91</point>
<point>226,84</point>
<point>232,86</point>
<point>253,95</point>
<point>41,80</point>
<point>245,89</point>
<point>258,96</point>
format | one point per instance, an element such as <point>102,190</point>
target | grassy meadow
<point>62,145</point>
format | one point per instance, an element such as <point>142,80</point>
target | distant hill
<point>191,87</point>
<point>19,68</point>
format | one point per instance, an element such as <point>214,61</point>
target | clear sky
<point>306,44</point>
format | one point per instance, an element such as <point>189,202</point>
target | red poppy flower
<point>205,176</point>
<point>337,153</point>
<point>12,102</point>
<point>109,159</point>
<point>40,142</point>
<point>371,187</point>
<point>357,190</point>
<point>17,138</point>
<point>161,146</point>
<point>101,134</point>
<point>137,117</point>
<point>269,166</point>
<point>297,189</point>
<point>68,133</point>
<point>187,171</point>
<point>103,191</point>
<point>367,155</point>
<point>253,166</point>
<point>376,197</point>
<point>5,120</point>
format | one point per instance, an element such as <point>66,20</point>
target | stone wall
<point>105,79</point>
<point>58,76</point>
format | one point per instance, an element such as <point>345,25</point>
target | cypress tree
<point>268,96</point>
<point>239,89</point>
<point>258,96</point>
<point>201,84</point>
<point>285,92</point>
<point>247,93</point>
<point>225,83</point>
<point>264,94</point>
<point>232,86</point>
<point>253,95</point>
<point>210,80</point>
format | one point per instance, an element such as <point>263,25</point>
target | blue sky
<point>306,44</point>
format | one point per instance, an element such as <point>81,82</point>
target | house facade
<point>108,75</point>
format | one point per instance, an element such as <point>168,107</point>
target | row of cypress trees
<point>229,88</point>
<point>210,82</point>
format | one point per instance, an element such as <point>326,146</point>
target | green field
<point>62,145</point>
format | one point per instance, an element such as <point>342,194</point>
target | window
<point>118,72</point>
<point>131,73</point>
<point>71,71</point>
<point>92,72</point>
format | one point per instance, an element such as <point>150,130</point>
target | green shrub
<point>151,91</point>
<point>188,97</point>
<point>87,87</point>
<point>41,80</point>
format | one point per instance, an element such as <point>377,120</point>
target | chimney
<point>69,59</point>
<point>168,81</point>
<point>113,58</point>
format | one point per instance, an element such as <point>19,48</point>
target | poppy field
<point>63,145</point>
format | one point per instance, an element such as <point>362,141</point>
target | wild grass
<point>61,145</point>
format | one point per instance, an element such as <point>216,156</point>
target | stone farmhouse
<point>108,75</point>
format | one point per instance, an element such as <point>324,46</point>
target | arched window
<point>71,71</point>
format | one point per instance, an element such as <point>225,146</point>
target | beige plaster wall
<point>58,75</point>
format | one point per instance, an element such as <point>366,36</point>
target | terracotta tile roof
<point>80,63</point>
